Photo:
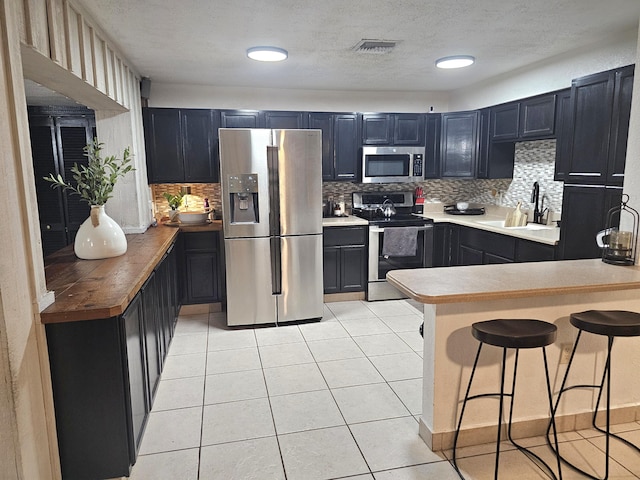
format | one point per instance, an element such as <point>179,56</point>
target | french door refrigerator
<point>271,187</point>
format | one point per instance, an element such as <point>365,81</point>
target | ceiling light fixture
<point>267,54</point>
<point>456,61</point>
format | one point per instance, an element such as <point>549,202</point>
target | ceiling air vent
<point>375,46</point>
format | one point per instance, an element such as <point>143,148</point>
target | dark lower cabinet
<point>202,269</point>
<point>584,214</point>
<point>534,252</point>
<point>474,246</point>
<point>103,374</point>
<point>137,362</point>
<point>344,259</point>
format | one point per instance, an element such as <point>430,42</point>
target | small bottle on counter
<point>341,204</point>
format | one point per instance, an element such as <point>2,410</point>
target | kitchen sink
<point>528,226</point>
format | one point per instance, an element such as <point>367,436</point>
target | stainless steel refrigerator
<point>271,187</point>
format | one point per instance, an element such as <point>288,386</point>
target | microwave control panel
<point>417,165</point>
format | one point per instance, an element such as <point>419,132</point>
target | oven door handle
<point>381,230</point>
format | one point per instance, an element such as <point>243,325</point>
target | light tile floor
<point>336,399</point>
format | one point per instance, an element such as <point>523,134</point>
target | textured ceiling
<point>204,41</point>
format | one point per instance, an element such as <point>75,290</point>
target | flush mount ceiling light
<point>267,54</point>
<point>456,61</point>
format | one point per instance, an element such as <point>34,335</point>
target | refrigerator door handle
<point>274,191</point>
<point>276,266</point>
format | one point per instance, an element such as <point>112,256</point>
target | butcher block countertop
<point>94,289</point>
<point>513,280</point>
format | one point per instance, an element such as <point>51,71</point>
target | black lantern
<point>618,245</point>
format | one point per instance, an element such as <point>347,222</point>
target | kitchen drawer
<point>201,241</point>
<point>336,236</point>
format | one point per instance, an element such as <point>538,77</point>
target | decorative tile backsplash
<point>534,161</point>
<point>199,191</point>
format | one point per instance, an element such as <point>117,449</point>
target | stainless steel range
<point>398,239</point>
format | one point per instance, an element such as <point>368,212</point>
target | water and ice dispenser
<point>243,201</point>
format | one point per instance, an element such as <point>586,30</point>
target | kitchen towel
<point>400,241</point>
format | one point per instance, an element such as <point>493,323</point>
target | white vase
<point>99,236</point>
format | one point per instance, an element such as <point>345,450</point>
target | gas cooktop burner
<point>401,219</point>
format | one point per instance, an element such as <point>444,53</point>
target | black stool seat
<point>613,323</point>
<point>515,333</point>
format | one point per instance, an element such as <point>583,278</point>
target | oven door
<point>380,264</point>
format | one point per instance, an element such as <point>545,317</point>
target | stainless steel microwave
<point>392,164</point>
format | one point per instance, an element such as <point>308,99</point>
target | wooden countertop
<point>94,289</point>
<point>513,280</point>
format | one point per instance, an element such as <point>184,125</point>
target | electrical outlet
<point>565,353</point>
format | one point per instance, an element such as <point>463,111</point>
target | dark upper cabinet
<point>340,145</point>
<point>537,117</point>
<point>584,214</point>
<point>392,129</point>
<point>282,119</point>
<point>241,119</point>
<point>324,122</point>
<point>263,119</point>
<point>599,115</point>
<point>408,129</point>
<point>181,145</point>
<point>199,145</point>
<point>346,146</point>
<point>529,119</point>
<point>459,144</point>
<point>163,143</point>
<point>495,159</point>
<point>563,134</point>
<point>432,146</point>
<point>377,129</point>
<point>620,125</point>
<point>505,122</point>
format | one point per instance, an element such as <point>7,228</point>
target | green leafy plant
<point>174,200</point>
<point>95,181</point>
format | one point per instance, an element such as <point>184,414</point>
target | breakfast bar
<point>455,298</point>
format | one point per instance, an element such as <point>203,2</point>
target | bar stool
<point>610,323</point>
<point>515,334</point>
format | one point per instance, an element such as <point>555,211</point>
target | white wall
<point>548,76</point>
<point>203,96</point>
<point>632,167</point>
<point>554,74</point>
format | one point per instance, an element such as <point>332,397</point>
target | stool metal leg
<point>606,376</point>
<point>502,394</point>
<point>535,458</point>
<point>504,364</point>
<point>464,405</point>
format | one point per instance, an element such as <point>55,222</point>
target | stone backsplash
<point>534,161</point>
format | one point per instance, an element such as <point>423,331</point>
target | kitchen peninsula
<point>454,298</point>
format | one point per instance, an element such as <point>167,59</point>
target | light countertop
<point>348,221</point>
<point>513,280</point>
<point>545,234</point>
